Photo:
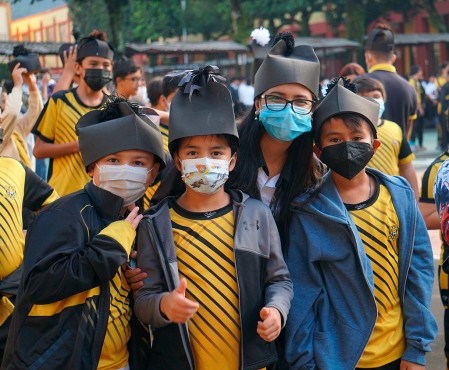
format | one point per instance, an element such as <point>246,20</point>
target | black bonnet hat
<point>27,60</point>
<point>285,64</point>
<point>93,47</point>
<point>380,39</point>
<point>202,106</point>
<point>340,100</point>
<point>100,136</point>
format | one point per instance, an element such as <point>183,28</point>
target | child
<point>73,309</point>
<point>394,156</point>
<point>217,289</point>
<point>359,254</point>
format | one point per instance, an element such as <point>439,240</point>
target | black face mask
<point>96,78</point>
<point>347,158</point>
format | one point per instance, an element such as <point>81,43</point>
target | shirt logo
<point>10,192</point>
<point>248,225</point>
<point>394,233</point>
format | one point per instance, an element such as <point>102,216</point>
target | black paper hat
<point>301,66</point>
<point>99,138</point>
<point>92,47</point>
<point>27,60</point>
<point>340,100</point>
<point>64,48</point>
<point>202,106</point>
<point>380,39</point>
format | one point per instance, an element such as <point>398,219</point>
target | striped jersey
<point>56,124</point>
<point>114,354</point>
<point>19,187</point>
<point>378,227</point>
<point>393,151</point>
<point>205,251</point>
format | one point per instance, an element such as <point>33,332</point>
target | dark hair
<point>351,69</point>
<point>170,84</point>
<point>303,171</point>
<point>154,90</point>
<point>230,139</point>
<point>94,35</point>
<point>8,85</point>
<point>368,84</point>
<point>124,67</point>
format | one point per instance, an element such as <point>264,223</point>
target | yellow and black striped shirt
<point>164,132</point>
<point>426,196</point>
<point>114,354</point>
<point>56,124</point>
<point>19,187</point>
<point>378,227</point>
<point>205,251</point>
<point>393,151</point>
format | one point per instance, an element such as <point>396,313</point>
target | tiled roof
<point>24,8</point>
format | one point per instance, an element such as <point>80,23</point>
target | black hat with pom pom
<point>116,128</point>
<point>339,100</point>
<point>27,60</point>
<point>202,106</point>
<point>285,64</point>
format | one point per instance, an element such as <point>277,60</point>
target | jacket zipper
<point>237,219</point>
<point>367,284</point>
<point>409,259</point>
<point>182,327</point>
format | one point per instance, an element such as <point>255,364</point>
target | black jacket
<point>73,249</point>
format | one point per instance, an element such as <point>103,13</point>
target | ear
<point>376,144</point>
<point>317,150</point>
<point>393,58</point>
<point>257,104</point>
<point>233,162</point>
<point>78,69</point>
<point>177,162</point>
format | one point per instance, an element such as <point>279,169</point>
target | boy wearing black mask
<point>359,254</point>
<point>55,127</point>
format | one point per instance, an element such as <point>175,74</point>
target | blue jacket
<point>333,311</point>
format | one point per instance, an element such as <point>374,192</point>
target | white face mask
<point>125,181</point>
<point>205,175</point>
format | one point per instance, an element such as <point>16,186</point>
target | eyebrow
<point>297,96</point>
<point>197,147</point>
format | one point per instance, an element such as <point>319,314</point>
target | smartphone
<point>132,263</point>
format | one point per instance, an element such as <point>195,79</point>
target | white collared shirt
<point>266,186</point>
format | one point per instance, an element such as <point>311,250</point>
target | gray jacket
<point>262,276</point>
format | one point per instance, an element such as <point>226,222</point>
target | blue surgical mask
<point>285,125</point>
<point>381,106</point>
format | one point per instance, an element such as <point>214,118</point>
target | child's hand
<point>270,326</point>
<point>16,75</point>
<point>176,307</point>
<point>135,276</point>
<point>406,365</point>
<point>133,218</point>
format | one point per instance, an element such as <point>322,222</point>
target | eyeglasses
<point>134,79</point>
<point>277,103</point>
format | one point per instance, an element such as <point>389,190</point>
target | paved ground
<point>435,359</point>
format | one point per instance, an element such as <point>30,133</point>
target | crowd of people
<point>164,233</point>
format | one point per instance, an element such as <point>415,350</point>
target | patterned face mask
<point>205,175</point>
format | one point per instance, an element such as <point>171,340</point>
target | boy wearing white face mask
<point>74,307</point>
<point>218,290</point>
<point>394,156</point>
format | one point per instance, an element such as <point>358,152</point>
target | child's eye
<point>192,153</point>
<point>334,140</point>
<point>138,164</point>
<point>113,160</point>
<point>357,138</point>
<point>217,154</point>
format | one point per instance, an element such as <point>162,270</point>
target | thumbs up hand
<point>176,307</point>
<point>270,326</point>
